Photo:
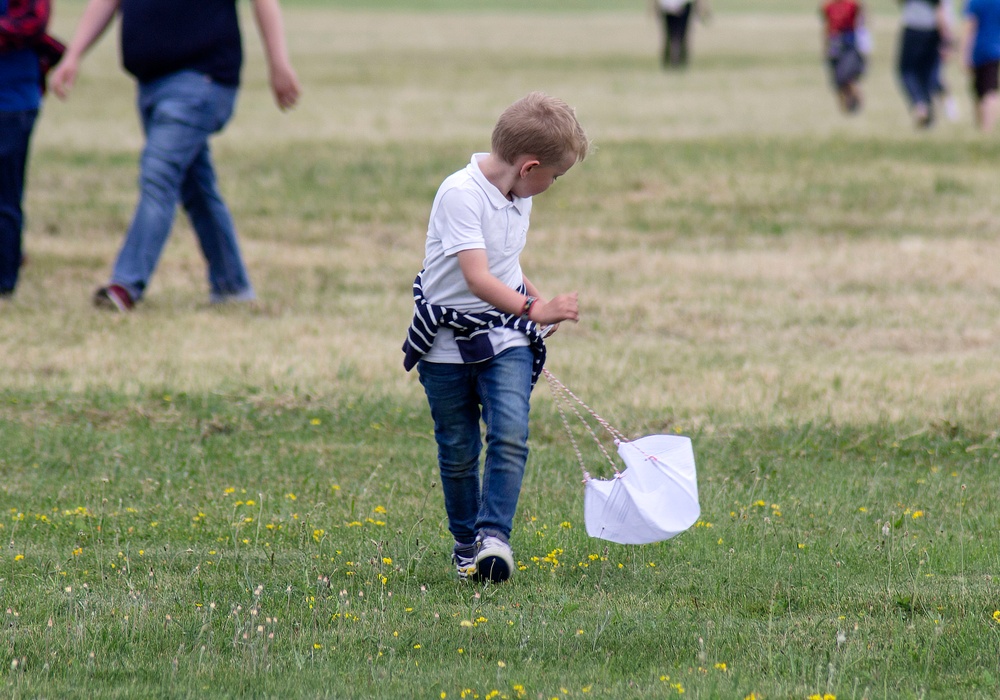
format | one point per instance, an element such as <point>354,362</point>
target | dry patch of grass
<point>744,253</point>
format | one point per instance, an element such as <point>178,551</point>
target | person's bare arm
<point>482,283</point>
<point>270,24</point>
<point>971,28</point>
<point>97,15</point>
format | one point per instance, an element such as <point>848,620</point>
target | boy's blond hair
<point>541,126</point>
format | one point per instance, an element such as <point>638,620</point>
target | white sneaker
<point>494,560</point>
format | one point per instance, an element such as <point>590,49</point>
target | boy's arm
<point>96,18</point>
<point>21,25</point>
<point>482,283</point>
<point>284,82</point>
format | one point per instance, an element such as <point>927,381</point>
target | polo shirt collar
<point>496,197</point>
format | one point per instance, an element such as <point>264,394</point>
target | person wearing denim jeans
<point>475,337</point>
<point>186,56</point>
<point>179,113</point>
<point>15,133</point>
<point>455,392</point>
<point>26,53</point>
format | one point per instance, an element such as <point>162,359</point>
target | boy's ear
<point>528,165</point>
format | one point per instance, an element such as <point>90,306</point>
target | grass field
<point>242,502</point>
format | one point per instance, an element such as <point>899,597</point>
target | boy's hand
<point>561,308</point>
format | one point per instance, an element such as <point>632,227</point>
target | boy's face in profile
<point>536,178</point>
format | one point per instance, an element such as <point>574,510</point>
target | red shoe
<point>114,297</point>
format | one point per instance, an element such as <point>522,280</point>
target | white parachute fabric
<point>653,499</point>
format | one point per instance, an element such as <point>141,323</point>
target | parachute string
<point>563,395</point>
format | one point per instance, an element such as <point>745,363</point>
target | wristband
<point>528,303</point>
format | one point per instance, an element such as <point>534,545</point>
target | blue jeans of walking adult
<point>501,388</point>
<point>15,135</point>
<point>179,113</point>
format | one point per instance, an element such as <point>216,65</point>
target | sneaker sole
<point>493,569</point>
<point>494,565</point>
<point>107,298</point>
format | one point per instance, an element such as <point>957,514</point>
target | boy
<point>476,338</point>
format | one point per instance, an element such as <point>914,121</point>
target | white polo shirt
<point>470,213</point>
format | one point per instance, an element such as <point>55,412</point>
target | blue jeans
<point>15,134</point>
<point>501,387</point>
<point>179,113</point>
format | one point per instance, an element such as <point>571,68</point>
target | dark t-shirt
<point>160,37</point>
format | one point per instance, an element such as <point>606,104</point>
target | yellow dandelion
<point>416,646</point>
<point>917,514</point>
<point>315,421</point>
<point>566,525</point>
<point>317,645</point>
<point>18,557</point>
<point>721,667</point>
<point>387,561</point>
<point>501,664</point>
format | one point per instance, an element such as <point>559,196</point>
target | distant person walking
<point>982,57</point>
<point>843,39</point>
<point>186,56</point>
<point>940,90</point>
<point>26,54</point>
<point>675,16</point>
<point>924,34</point>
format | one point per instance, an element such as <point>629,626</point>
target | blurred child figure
<point>844,22</point>
<point>924,35</point>
<point>26,54</point>
<point>940,90</point>
<point>476,334</point>
<point>982,57</point>
<point>675,16</point>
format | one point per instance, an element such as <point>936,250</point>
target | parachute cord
<point>615,433</point>
<point>560,393</point>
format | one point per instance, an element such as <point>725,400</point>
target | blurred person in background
<point>186,56</point>
<point>924,34</point>
<point>26,54</point>
<point>982,57</point>
<point>675,16</point>
<point>940,90</point>
<point>844,39</point>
